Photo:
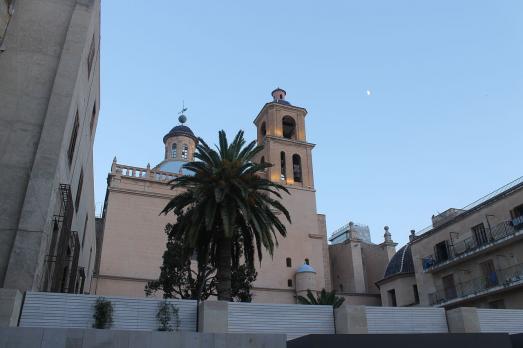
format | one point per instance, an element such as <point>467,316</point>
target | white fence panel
<point>406,320</point>
<point>293,320</point>
<point>500,320</point>
<point>45,309</point>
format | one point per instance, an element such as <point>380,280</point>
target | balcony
<point>459,251</point>
<point>498,281</point>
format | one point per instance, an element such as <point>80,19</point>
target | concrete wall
<point>10,307</point>
<point>44,84</point>
<point>91,338</point>
<point>511,254</point>
<point>366,319</point>
<point>290,320</point>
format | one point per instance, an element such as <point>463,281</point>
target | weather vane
<point>182,118</point>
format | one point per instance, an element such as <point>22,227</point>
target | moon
<point>369,93</point>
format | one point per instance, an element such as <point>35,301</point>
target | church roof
<point>401,263</point>
<point>180,130</point>
<point>175,167</point>
<point>305,268</point>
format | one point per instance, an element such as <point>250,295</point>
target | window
<point>289,127</point>
<point>93,117</point>
<point>185,151</point>
<point>72,141</point>
<point>85,229</point>
<point>489,273</point>
<point>449,287</point>
<point>517,211</point>
<point>341,287</point>
<point>289,262</point>
<point>517,216</point>
<point>441,251</point>
<point>391,294</point>
<point>296,167</point>
<point>79,190</point>
<point>480,235</point>
<point>282,166</point>
<point>307,261</point>
<point>416,294</point>
<point>173,151</point>
<point>90,56</point>
<point>263,130</point>
<point>289,283</point>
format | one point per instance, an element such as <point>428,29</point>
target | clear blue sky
<point>442,126</point>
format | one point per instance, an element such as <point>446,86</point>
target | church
<point>133,238</point>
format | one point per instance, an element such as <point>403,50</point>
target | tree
<point>225,202</point>
<point>179,280</point>
<point>323,298</point>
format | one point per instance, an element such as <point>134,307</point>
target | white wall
<point>45,309</point>
<point>293,320</point>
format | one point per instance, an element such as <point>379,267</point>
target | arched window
<point>307,261</point>
<point>289,262</point>
<point>289,127</point>
<point>185,151</point>
<point>173,151</point>
<point>282,165</point>
<point>263,130</point>
<point>296,168</point>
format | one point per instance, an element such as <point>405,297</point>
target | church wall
<point>361,299</point>
<point>121,287</point>
<point>375,260</point>
<point>342,271</point>
<point>134,238</point>
<point>303,240</point>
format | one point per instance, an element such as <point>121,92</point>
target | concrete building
<point>468,257</point>
<point>134,238</point>
<point>49,97</point>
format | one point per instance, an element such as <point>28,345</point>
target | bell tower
<point>281,128</point>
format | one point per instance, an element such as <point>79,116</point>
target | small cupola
<point>278,96</point>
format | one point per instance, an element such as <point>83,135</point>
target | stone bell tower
<point>281,127</point>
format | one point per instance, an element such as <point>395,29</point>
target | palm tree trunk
<point>223,272</point>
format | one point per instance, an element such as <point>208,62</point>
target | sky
<point>414,106</point>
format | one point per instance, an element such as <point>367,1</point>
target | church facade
<point>133,232</point>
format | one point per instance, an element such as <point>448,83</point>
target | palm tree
<point>324,298</point>
<point>226,203</point>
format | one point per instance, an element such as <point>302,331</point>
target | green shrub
<point>103,314</point>
<point>167,316</point>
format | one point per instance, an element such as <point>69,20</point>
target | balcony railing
<point>495,281</point>
<point>457,249</point>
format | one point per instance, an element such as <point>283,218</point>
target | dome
<point>175,167</point>
<point>305,268</point>
<point>180,130</point>
<point>401,263</point>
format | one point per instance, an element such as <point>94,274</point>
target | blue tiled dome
<point>400,263</point>
<point>175,167</point>
<point>305,268</point>
<point>180,130</point>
